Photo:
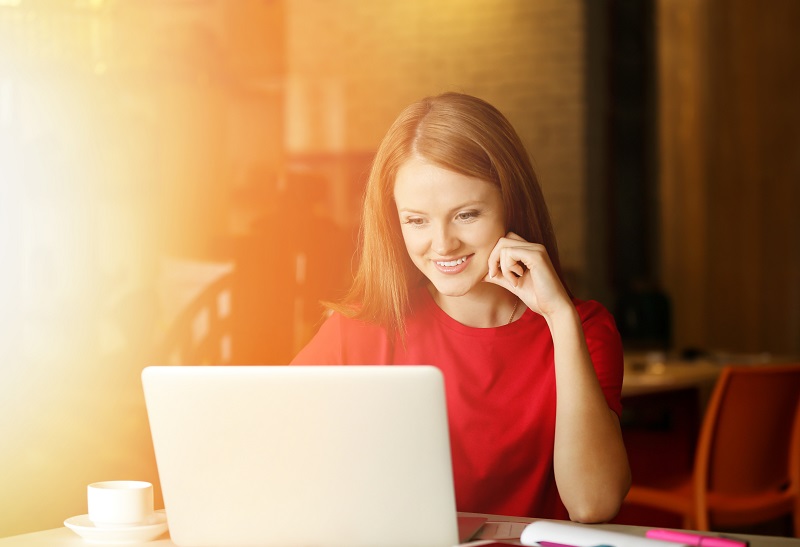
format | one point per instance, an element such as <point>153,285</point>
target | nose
<point>444,240</point>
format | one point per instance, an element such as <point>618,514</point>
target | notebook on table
<point>335,456</point>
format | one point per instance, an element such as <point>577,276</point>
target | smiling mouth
<point>451,263</point>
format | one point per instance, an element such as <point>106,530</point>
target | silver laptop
<point>355,456</point>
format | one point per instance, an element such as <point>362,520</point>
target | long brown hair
<point>460,133</point>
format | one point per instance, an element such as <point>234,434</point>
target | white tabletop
<point>63,537</point>
<point>58,537</point>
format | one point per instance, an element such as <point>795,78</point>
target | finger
<point>495,257</point>
<point>510,262</point>
<point>500,281</point>
<point>514,274</point>
<point>511,265</point>
<point>518,269</point>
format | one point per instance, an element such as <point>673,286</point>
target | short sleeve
<point>325,348</point>
<point>605,349</point>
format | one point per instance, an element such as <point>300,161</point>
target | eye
<point>466,216</point>
<point>414,221</point>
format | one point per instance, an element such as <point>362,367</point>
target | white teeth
<point>452,263</point>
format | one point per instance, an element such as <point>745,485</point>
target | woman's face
<point>450,224</point>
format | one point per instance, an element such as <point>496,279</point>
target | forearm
<point>590,462</point>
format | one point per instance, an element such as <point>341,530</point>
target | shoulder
<point>594,315</point>
<point>600,332</point>
<point>346,341</point>
<point>591,308</point>
<point>343,327</point>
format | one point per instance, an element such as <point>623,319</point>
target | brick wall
<point>353,64</point>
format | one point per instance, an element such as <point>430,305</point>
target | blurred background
<point>156,153</point>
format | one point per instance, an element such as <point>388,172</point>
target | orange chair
<point>747,461</point>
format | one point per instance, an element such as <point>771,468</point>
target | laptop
<point>355,456</point>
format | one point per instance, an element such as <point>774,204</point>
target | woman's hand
<point>525,269</point>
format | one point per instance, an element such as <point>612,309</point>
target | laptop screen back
<point>351,456</point>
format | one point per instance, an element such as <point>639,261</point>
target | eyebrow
<point>466,205</point>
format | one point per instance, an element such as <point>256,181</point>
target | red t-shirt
<point>500,389</point>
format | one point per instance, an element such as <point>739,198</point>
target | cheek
<point>414,240</point>
<point>483,240</point>
<point>493,235</point>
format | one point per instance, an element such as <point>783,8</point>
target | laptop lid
<point>336,456</point>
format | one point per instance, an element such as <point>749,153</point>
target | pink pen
<point>694,539</point>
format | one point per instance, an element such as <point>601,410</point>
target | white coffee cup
<point>116,504</point>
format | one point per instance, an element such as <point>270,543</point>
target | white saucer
<point>85,528</point>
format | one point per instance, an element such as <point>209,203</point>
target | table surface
<point>495,528</point>
<point>654,372</point>
<point>657,377</point>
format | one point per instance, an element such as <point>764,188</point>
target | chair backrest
<point>747,435</point>
<point>201,333</point>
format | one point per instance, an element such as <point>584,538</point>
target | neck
<point>491,306</point>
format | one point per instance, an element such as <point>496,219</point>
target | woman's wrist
<point>563,317</point>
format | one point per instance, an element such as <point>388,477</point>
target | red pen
<point>694,539</point>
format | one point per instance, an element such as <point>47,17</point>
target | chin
<point>452,289</point>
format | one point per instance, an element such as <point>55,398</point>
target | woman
<point>458,268</point>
